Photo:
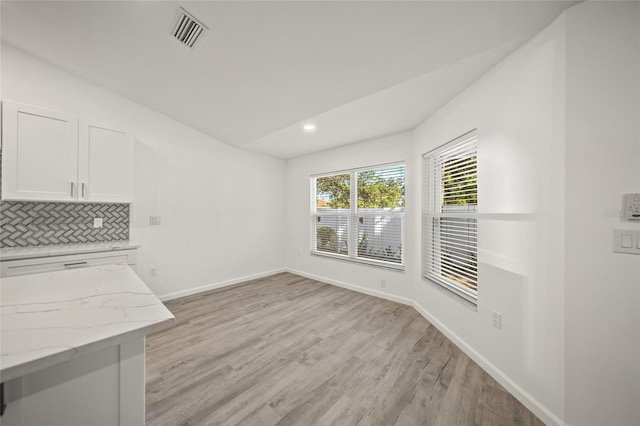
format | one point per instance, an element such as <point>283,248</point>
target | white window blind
<point>359,215</point>
<point>450,225</point>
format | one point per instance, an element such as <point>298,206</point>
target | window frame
<point>435,209</point>
<point>353,214</point>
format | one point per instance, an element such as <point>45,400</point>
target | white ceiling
<point>356,69</point>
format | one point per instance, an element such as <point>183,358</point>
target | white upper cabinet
<point>39,154</point>
<point>106,166</point>
<point>53,156</point>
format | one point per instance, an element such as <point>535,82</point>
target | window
<point>450,224</point>
<point>358,215</point>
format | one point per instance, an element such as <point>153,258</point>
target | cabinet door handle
<point>72,188</point>
<point>3,403</point>
<point>83,190</point>
<point>75,265</point>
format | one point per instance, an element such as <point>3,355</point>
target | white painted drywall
<point>602,288</point>
<point>559,136</point>
<point>518,111</point>
<point>221,207</point>
<point>388,149</point>
<point>569,346</point>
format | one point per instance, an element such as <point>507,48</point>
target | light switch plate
<point>626,241</point>
<point>97,222</point>
<point>155,220</point>
<point>496,320</point>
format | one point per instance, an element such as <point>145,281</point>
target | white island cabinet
<point>72,346</point>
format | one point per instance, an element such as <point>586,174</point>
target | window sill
<point>368,262</point>
<point>442,285</point>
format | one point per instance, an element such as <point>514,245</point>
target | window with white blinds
<point>449,220</point>
<point>359,215</point>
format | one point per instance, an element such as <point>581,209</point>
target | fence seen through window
<point>450,225</point>
<point>359,214</point>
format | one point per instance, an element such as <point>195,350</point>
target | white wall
<point>383,150</point>
<point>602,288</point>
<point>517,109</point>
<point>559,139</point>
<point>558,125</point>
<point>221,207</point>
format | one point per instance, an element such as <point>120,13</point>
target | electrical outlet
<point>383,283</point>
<point>298,253</point>
<point>97,222</point>
<point>155,220</point>
<point>496,320</point>
<point>153,272</point>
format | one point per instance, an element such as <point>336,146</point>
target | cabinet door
<point>39,154</point>
<point>106,164</point>
<point>99,388</point>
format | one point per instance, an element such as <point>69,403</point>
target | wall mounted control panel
<point>632,206</point>
<point>628,240</point>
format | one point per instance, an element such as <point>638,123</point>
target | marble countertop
<point>15,253</point>
<point>53,317</point>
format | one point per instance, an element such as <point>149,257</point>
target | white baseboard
<point>514,389</point>
<point>370,292</point>
<point>196,290</point>
<point>520,394</point>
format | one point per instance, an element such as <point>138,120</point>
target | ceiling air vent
<point>187,29</point>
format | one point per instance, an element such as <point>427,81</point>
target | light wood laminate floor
<point>287,350</point>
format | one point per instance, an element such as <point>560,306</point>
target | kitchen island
<point>72,346</point>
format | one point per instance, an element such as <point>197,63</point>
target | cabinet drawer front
<point>58,263</point>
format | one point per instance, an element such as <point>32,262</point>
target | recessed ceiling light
<point>309,127</point>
